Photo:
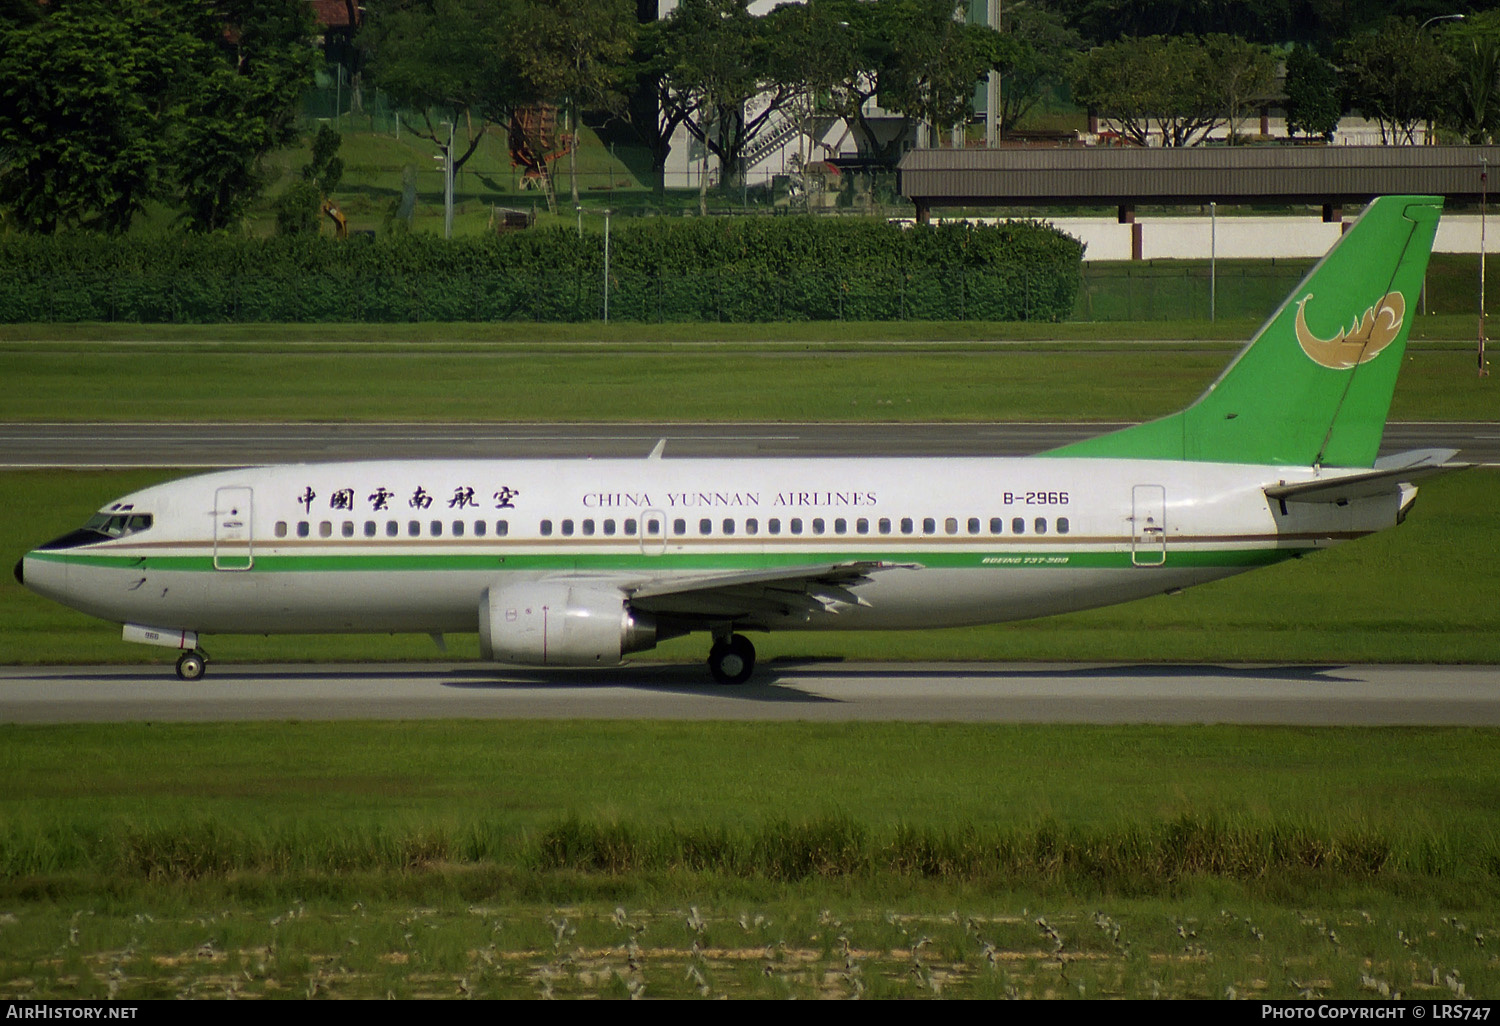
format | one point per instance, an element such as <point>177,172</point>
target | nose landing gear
<point>191,665</point>
<point>731,660</point>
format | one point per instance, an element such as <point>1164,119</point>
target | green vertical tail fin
<point>1314,385</point>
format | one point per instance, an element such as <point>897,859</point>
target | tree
<point>1473,108</point>
<point>653,112</point>
<point>91,103</point>
<point>1171,90</point>
<point>937,60</point>
<point>1313,106</point>
<point>1047,45</point>
<point>449,57</point>
<point>104,106</point>
<point>256,63</point>
<point>1399,76</point>
<point>916,58</point>
<point>715,71</point>
<point>575,53</point>
<point>300,207</point>
<point>1238,73</point>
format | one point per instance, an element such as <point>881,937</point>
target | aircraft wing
<point>1388,475</point>
<point>776,592</point>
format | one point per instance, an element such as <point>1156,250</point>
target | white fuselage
<point>414,545</point>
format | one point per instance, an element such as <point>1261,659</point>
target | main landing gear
<point>191,665</point>
<point>731,660</point>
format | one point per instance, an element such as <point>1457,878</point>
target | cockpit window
<point>118,525</point>
<point>101,527</point>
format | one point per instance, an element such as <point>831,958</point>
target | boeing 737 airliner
<point>578,562</point>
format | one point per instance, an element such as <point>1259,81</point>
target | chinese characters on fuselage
<point>379,500</point>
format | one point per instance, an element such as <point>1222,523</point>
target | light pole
<point>1484,204</point>
<point>607,212</point>
<point>1213,260</point>
<point>1441,17</point>
<point>992,87</point>
<point>447,158</point>
<point>1427,138</point>
<point>579,208</point>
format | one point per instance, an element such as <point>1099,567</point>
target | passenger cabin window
<point>281,528</point>
<point>502,528</point>
<point>369,528</point>
<point>1040,524</point>
<point>546,528</point>
<point>752,526</point>
<point>1018,525</point>
<point>929,525</point>
<point>347,529</point>
<point>950,525</point>
<point>303,529</point>
<point>414,528</point>
<point>325,530</point>
<point>479,528</point>
<point>997,525</point>
<point>1063,525</point>
<point>973,525</point>
<point>458,528</point>
<point>392,529</point>
<point>705,526</point>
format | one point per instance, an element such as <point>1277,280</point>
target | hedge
<point>661,269</point>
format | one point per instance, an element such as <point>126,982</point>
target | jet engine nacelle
<point>560,624</point>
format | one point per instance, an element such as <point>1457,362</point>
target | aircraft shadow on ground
<point>681,680</point>
<point>774,680</point>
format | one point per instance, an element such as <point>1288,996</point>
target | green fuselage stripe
<point>986,559</point>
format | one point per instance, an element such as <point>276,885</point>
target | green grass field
<point>187,376</point>
<point>527,859</point>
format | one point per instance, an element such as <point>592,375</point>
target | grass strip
<point>375,381</point>
<point>1080,808</point>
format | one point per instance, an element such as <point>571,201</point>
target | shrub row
<point>731,296</point>
<point>747,269</point>
<point>834,848</point>
<point>830,848</point>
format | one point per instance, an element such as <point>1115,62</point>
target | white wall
<point>1189,238</point>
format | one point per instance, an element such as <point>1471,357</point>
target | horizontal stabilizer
<point>1419,458</point>
<point>1384,480</point>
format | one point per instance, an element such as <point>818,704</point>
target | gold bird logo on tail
<point>1361,342</point>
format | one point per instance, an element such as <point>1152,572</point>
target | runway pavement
<point>219,445</point>
<point>1308,695</point>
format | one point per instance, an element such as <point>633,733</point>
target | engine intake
<point>547,623</point>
